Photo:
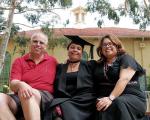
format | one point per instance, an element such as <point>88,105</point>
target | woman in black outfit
<point>74,92</point>
<point>116,75</point>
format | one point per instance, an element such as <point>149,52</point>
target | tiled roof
<point>94,32</point>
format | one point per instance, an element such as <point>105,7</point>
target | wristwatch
<point>111,97</point>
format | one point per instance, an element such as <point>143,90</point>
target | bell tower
<point>79,15</point>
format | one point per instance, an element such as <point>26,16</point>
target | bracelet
<point>111,97</point>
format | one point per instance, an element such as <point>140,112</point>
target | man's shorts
<point>46,99</point>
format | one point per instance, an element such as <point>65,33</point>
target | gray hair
<point>40,34</point>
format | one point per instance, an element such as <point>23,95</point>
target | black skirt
<point>131,105</point>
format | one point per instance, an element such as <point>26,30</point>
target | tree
<point>138,11</point>
<point>33,10</point>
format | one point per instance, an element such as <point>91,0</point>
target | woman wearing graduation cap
<point>74,84</point>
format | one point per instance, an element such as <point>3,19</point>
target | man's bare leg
<point>8,107</point>
<point>31,106</point>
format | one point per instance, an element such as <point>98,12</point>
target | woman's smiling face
<point>75,52</point>
<point>109,49</point>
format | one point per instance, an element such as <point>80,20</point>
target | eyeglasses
<point>36,42</point>
<point>110,44</point>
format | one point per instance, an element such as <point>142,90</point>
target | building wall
<point>142,54</point>
<point>59,53</point>
<point>129,45</point>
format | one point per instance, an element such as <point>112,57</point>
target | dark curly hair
<point>115,41</point>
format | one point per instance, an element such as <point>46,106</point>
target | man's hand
<point>24,90</point>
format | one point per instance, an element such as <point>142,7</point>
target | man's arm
<point>22,88</point>
<point>15,85</point>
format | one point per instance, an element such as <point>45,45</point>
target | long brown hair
<point>114,39</point>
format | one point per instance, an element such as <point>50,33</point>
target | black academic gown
<point>81,105</point>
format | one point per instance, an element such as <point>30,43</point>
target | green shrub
<point>5,88</point>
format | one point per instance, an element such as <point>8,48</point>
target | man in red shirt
<point>31,79</point>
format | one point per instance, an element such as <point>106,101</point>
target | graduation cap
<point>77,40</point>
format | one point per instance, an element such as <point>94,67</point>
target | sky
<point>125,22</point>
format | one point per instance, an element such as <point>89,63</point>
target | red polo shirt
<point>40,76</point>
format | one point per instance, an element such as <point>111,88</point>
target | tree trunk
<point>5,40</point>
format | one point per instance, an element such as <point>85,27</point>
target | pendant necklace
<point>106,68</point>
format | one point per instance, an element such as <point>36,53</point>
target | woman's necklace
<point>106,67</point>
<point>73,67</point>
<point>105,70</point>
<point>69,61</point>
